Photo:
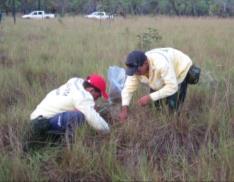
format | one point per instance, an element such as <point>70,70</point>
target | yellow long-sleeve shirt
<point>167,69</point>
<point>71,97</point>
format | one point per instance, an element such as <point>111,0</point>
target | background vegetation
<point>124,7</point>
<point>37,56</point>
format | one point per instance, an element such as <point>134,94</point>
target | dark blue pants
<point>66,121</point>
<point>58,125</point>
<point>175,100</point>
<point>55,128</point>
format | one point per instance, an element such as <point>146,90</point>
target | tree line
<point>222,8</point>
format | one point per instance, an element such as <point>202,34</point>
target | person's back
<point>65,98</point>
<point>180,61</point>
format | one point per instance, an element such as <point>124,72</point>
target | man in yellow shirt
<point>164,70</point>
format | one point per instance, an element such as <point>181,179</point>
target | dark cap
<point>134,60</point>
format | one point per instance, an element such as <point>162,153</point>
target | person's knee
<point>172,104</point>
<point>40,125</point>
<point>72,119</point>
<point>75,116</point>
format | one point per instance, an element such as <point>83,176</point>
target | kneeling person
<point>69,106</point>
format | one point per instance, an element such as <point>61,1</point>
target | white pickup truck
<point>100,15</point>
<point>38,15</point>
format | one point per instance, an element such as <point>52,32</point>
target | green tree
<point>223,8</point>
<point>6,5</point>
<point>76,6</point>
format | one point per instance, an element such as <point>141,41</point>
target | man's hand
<point>123,115</point>
<point>143,101</point>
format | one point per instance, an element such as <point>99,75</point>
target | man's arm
<point>94,119</point>
<point>130,86</point>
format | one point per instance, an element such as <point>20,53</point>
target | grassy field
<point>37,56</point>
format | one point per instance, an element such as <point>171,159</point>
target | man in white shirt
<point>69,106</point>
<point>164,70</point>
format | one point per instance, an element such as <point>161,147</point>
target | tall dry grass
<point>37,56</point>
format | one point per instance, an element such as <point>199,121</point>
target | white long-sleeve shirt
<point>71,97</point>
<point>168,67</point>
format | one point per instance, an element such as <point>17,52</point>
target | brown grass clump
<point>110,112</point>
<point>49,168</point>
<point>10,139</point>
<point>8,100</point>
<point>173,137</point>
<point>159,134</point>
<point>35,37</point>
<point>75,165</point>
<point>4,137</point>
<point>42,76</point>
<point>5,61</point>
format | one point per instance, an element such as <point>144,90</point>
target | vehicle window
<point>35,13</point>
<point>100,14</point>
<point>40,13</point>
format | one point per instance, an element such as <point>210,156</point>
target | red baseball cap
<point>98,82</point>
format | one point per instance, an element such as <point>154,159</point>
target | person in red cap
<point>69,106</point>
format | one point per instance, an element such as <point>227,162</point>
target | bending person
<point>164,70</point>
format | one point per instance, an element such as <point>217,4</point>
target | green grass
<point>37,56</point>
